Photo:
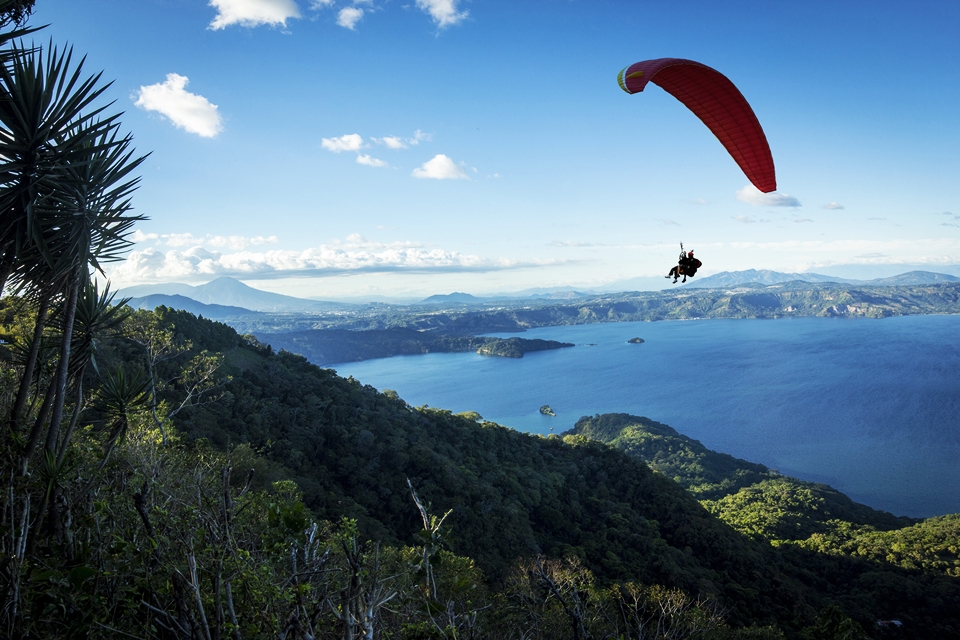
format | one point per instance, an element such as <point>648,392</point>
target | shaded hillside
<point>748,496</point>
<point>351,450</point>
<point>705,473</point>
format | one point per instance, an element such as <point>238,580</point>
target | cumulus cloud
<point>349,17</point>
<point>833,205</point>
<point>354,255</point>
<point>363,158</point>
<point>349,142</point>
<point>188,111</point>
<point>440,167</point>
<point>253,13</point>
<point>443,12</point>
<point>751,195</point>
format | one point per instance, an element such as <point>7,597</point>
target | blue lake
<point>871,407</point>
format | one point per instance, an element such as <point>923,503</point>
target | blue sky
<point>340,148</point>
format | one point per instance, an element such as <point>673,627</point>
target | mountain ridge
<point>184,303</point>
<point>227,291</point>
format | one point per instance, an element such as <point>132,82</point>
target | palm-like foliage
<point>42,126</point>
<point>15,12</point>
<point>65,186</point>
<point>46,118</point>
<point>66,178</point>
<point>120,395</point>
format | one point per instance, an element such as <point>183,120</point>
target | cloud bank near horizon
<point>192,258</point>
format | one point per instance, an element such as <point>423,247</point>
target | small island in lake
<point>547,411</point>
<point>635,341</point>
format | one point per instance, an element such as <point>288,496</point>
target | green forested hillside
<point>549,535</point>
<point>350,448</point>
<point>746,495</point>
<point>857,547</point>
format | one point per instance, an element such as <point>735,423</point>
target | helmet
<point>690,253</point>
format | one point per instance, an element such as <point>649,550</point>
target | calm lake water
<point>871,407</point>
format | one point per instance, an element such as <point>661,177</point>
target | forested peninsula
<point>246,492</point>
<point>337,345</point>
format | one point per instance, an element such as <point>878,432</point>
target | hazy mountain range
<point>765,276</point>
<point>229,298</point>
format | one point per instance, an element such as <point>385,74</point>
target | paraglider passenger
<point>687,265</point>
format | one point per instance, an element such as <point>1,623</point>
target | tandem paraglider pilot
<point>686,266</point>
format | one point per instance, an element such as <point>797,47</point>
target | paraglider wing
<point>718,103</point>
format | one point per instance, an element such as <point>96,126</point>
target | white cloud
<point>833,206</point>
<point>349,142</point>
<point>391,142</point>
<point>316,5</point>
<point>396,142</point>
<point>140,236</point>
<point>363,158</point>
<point>191,112</point>
<point>440,167</point>
<point>349,17</point>
<point>744,219</point>
<point>443,12</point>
<point>751,195</point>
<point>188,239</point>
<point>803,220</point>
<point>253,13</point>
<point>356,254</point>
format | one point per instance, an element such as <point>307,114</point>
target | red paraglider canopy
<point>718,103</point>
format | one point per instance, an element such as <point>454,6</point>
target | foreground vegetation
<point>247,493</point>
